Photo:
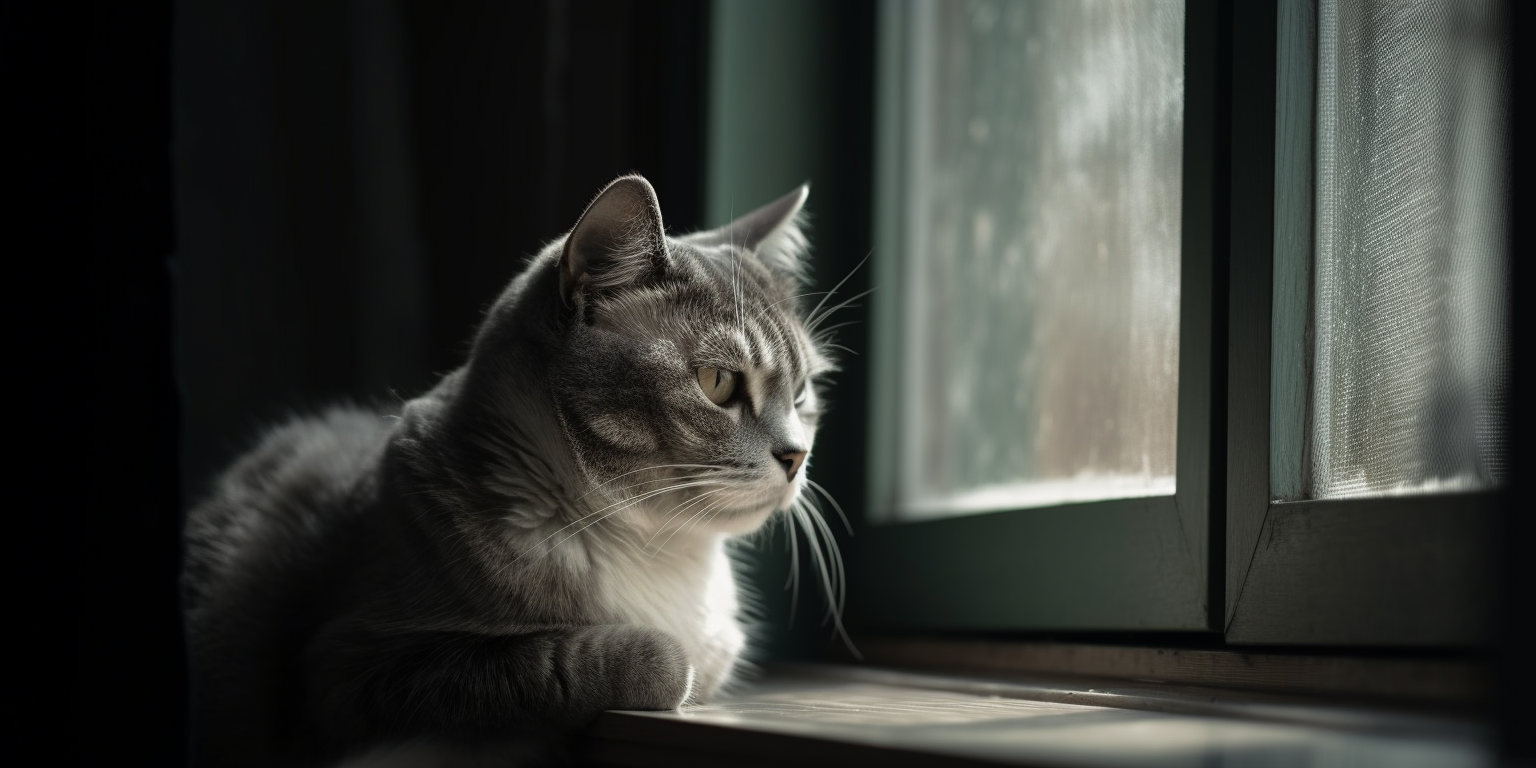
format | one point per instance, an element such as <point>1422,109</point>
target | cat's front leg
<point>367,684</point>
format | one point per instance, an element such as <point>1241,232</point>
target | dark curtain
<point>356,181</point>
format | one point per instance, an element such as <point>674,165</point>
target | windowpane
<point>1411,343</point>
<point>1040,230</point>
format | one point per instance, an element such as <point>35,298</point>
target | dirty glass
<point>1040,231</point>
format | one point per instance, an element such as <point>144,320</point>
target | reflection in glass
<point>1412,349</point>
<point>1041,241</point>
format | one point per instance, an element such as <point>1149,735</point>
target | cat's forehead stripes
<point>749,350</point>
<point>734,312</point>
<point>759,349</point>
<point>747,295</point>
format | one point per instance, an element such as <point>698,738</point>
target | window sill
<point>843,715</point>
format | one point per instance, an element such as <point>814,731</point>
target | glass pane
<point>1041,243</point>
<point>1412,348</point>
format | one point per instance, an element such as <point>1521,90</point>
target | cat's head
<point>683,374</point>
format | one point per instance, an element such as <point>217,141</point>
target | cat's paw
<point>654,671</point>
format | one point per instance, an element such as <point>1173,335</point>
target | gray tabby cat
<point>538,538</point>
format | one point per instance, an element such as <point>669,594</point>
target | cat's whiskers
<point>842,575</point>
<point>823,338</point>
<point>833,292</point>
<point>736,279</point>
<point>684,505</point>
<point>817,318</point>
<point>794,563</point>
<point>706,508</point>
<point>828,576</point>
<point>699,476</point>
<point>765,310</point>
<point>631,501</point>
<point>627,506</point>
<point>627,503</point>
<point>817,487</point>
<point>713,510</point>
<point>644,496</point>
<point>829,565</point>
<point>709,513</point>
<point>835,557</point>
<point>595,488</point>
<point>826,333</point>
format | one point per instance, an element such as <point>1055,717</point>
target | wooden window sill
<point>844,716</point>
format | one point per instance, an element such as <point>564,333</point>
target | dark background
<point>348,190</point>
<point>294,203</point>
<point>355,182</point>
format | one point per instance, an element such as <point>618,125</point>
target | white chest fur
<point>689,593</point>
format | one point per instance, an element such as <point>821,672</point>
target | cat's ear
<point>617,242</point>
<point>775,232</point>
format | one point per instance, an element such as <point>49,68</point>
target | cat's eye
<point>803,394</point>
<point>718,384</point>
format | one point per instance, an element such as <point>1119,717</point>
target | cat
<point>542,535</point>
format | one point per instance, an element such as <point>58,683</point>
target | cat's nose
<point>791,461</point>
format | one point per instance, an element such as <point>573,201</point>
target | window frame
<point>1231,565</point>
<point>1123,564</point>
<point>1392,571</point>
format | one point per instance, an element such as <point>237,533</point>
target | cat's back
<point>262,551</point>
<point>287,490</point>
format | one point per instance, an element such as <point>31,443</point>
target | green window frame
<point>1219,557</point>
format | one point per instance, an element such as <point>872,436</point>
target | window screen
<point>1411,340</point>
<point>1040,238</point>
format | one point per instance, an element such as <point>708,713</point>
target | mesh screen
<point>1412,352</point>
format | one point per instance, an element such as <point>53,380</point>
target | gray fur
<point>536,539</point>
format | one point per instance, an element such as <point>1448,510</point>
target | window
<point>1231,465</point>
<point>1042,322</point>
<point>1034,257</point>
<point>1358,506</point>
